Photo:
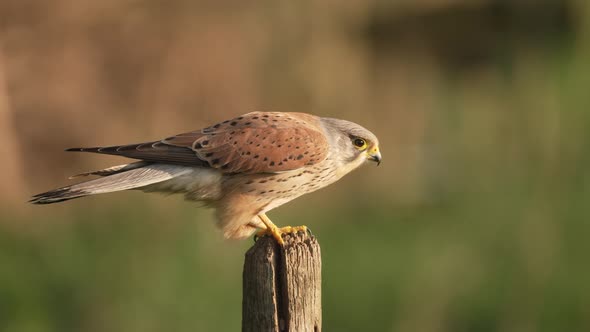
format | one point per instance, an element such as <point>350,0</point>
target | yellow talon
<point>277,233</point>
<point>293,229</point>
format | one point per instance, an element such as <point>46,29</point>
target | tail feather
<point>120,180</point>
<point>57,195</point>
<point>112,170</point>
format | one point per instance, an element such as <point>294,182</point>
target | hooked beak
<point>374,155</point>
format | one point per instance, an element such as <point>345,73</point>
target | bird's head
<point>353,143</point>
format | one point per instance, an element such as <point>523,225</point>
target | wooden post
<point>282,286</point>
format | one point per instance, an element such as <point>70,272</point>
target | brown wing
<point>257,142</point>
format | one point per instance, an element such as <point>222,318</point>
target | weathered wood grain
<point>282,285</point>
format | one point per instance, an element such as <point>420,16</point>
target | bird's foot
<point>277,233</point>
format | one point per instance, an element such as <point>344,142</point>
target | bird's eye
<point>359,143</point>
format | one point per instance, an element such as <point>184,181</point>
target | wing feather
<point>152,152</point>
<point>257,142</point>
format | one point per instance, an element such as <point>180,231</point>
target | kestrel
<point>243,167</point>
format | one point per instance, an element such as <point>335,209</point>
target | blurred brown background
<point>476,220</point>
<point>79,73</point>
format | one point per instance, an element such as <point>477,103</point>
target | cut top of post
<point>282,285</point>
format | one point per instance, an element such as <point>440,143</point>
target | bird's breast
<point>273,190</point>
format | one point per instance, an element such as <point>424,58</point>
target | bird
<point>242,167</point>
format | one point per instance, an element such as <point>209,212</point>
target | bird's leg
<point>276,232</point>
<point>271,229</point>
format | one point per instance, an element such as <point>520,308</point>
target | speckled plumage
<point>243,167</point>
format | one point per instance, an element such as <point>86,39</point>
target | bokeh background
<point>477,220</point>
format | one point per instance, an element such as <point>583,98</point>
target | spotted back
<point>258,142</point>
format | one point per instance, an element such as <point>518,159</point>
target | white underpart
<point>345,168</point>
<point>342,169</point>
<point>197,182</point>
<point>276,203</point>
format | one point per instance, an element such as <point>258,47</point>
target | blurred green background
<point>477,220</point>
